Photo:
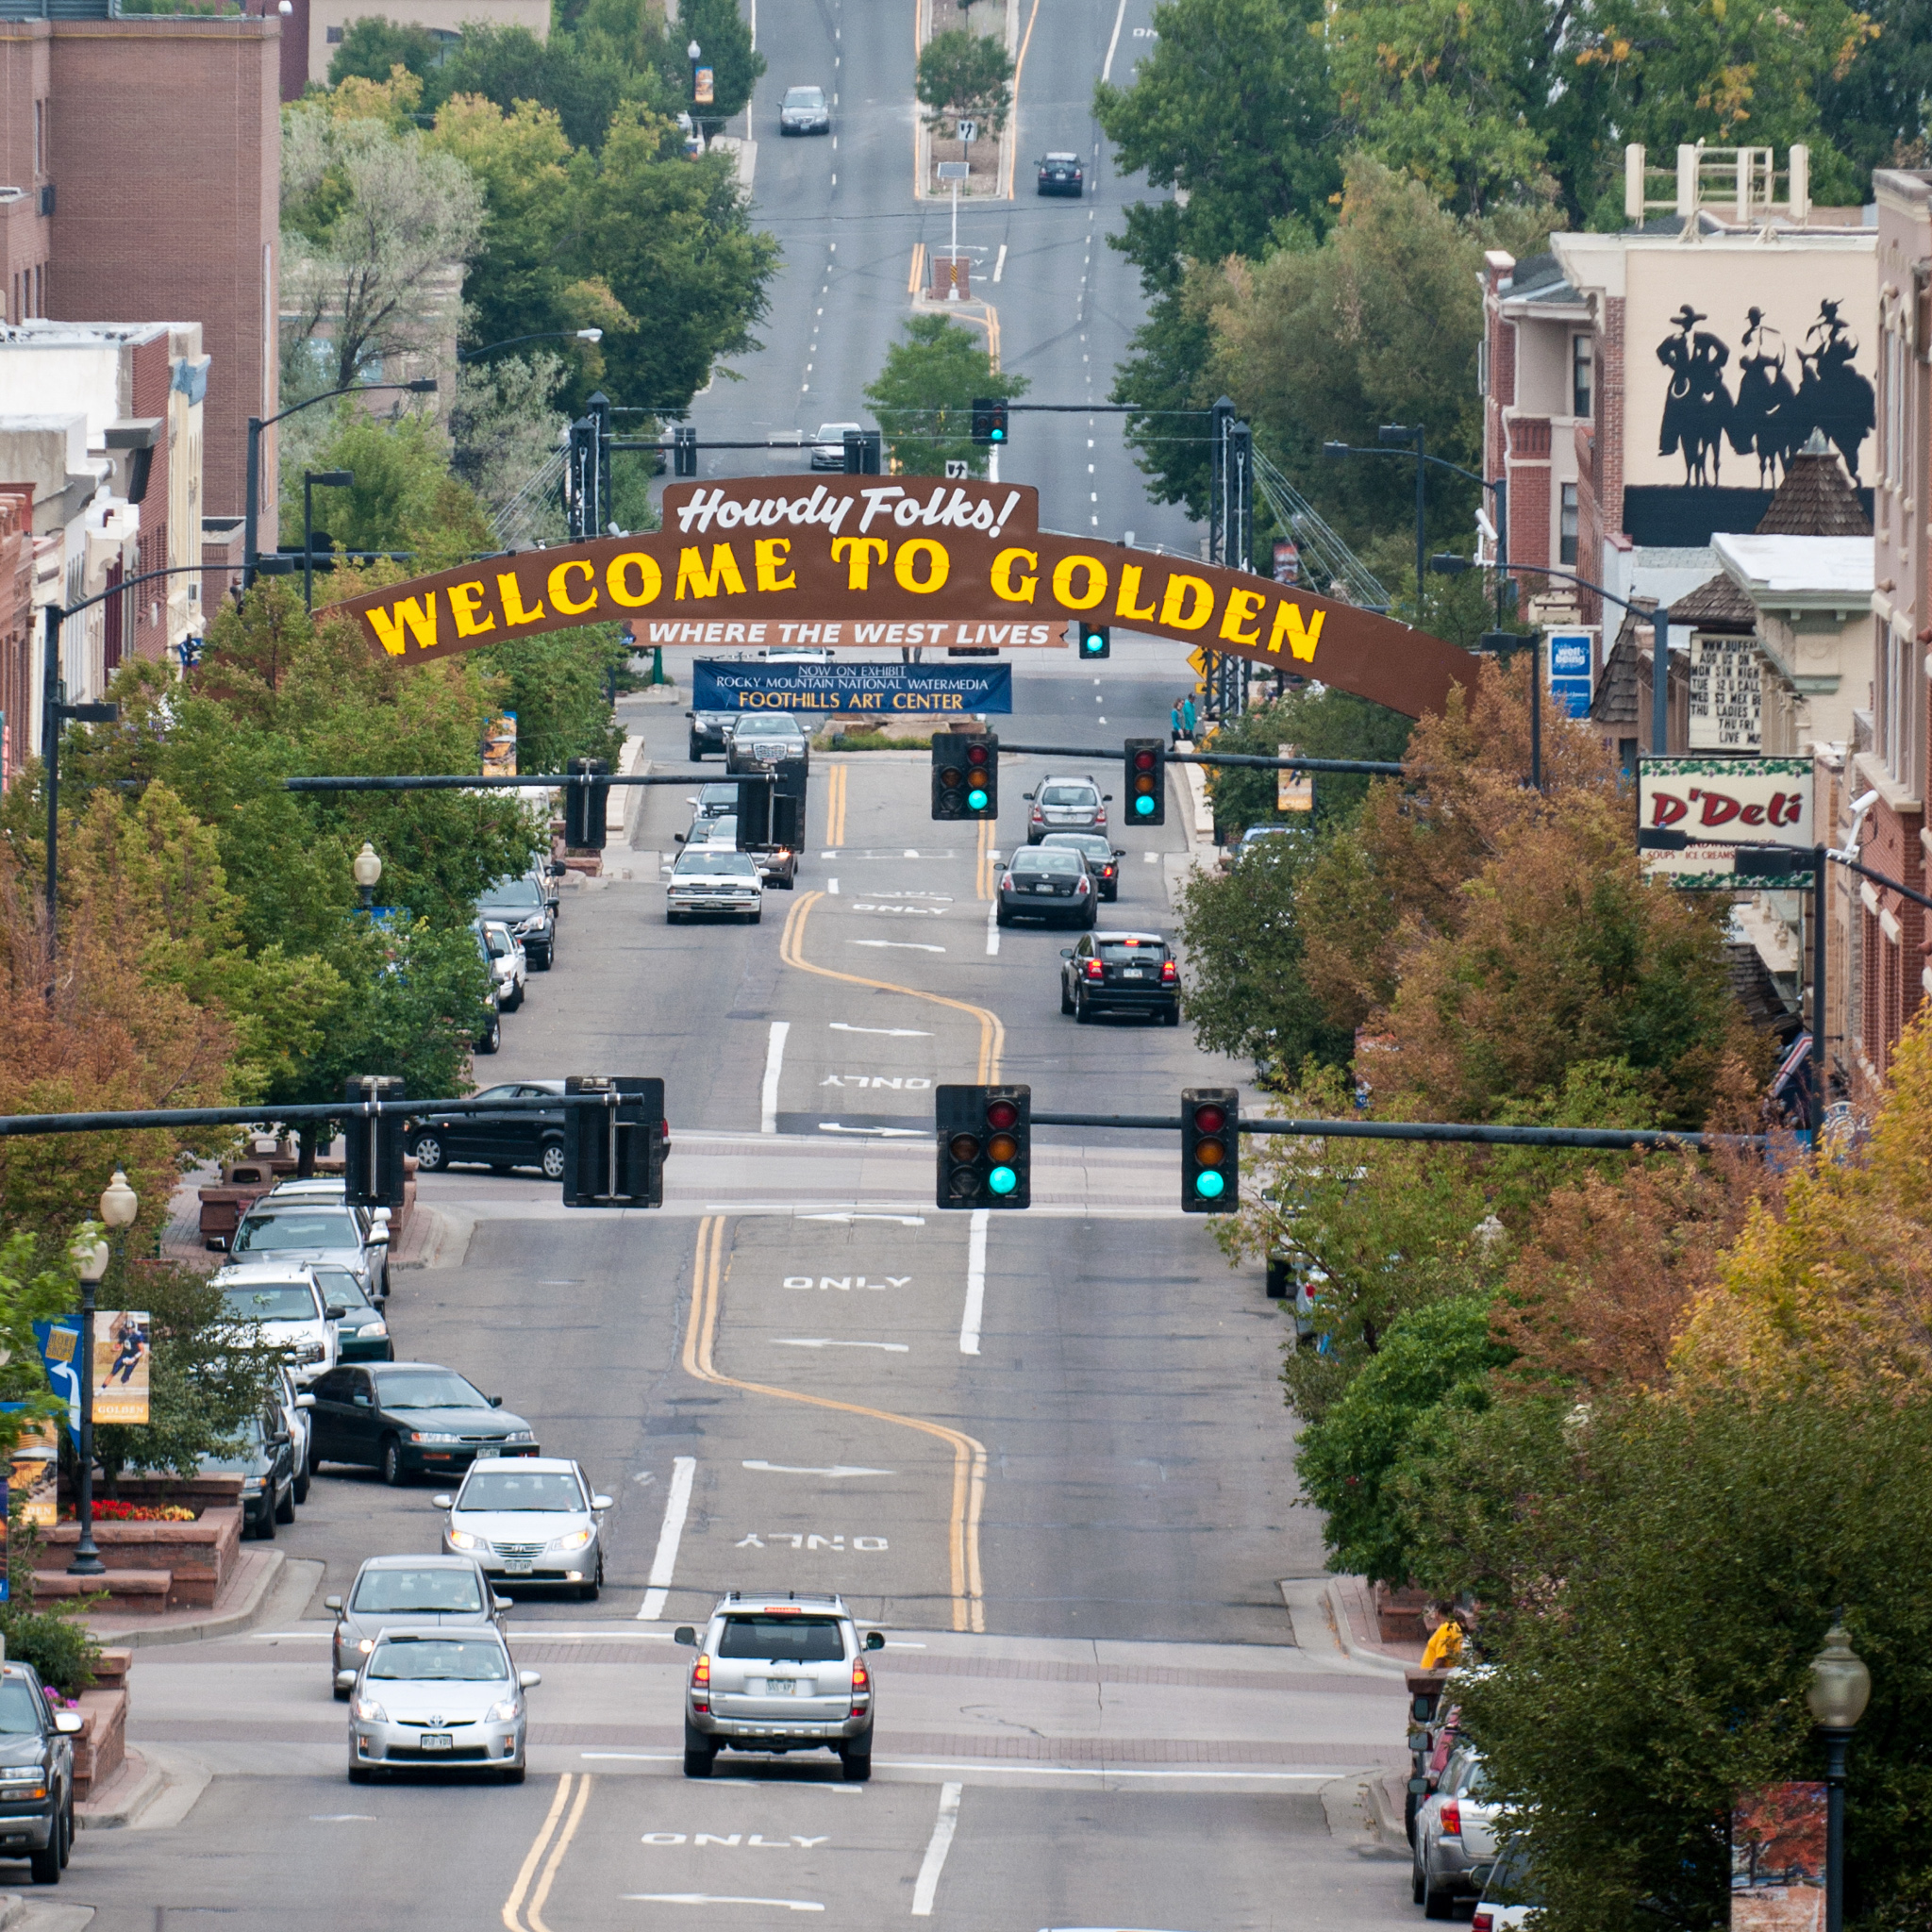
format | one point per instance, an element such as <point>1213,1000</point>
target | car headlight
<point>575,1540</point>
<point>463,1540</point>
<point>515,1436</point>
<point>370,1711</point>
<point>377,1329</point>
<point>504,1712</point>
<point>251,1486</point>
<point>366,1645</point>
<point>431,1436</point>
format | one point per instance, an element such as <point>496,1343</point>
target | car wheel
<point>1438,1902</point>
<point>1092,918</point>
<point>551,1160</point>
<point>1066,998</point>
<point>700,1754</point>
<point>1082,1013</point>
<point>540,963</point>
<point>696,752</point>
<point>360,1774</point>
<point>341,1696</point>
<point>67,1832</point>
<point>45,1866</point>
<point>855,1765</point>
<point>516,1002</point>
<point>513,1775</point>
<point>301,1489</point>
<point>265,1522</point>
<point>428,1153</point>
<point>1172,1017</point>
<point>285,1512</point>
<point>392,1462</point>
<point>752,919</point>
<point>674,919</point>
<point>1002,917</point>
<point>493,1036</point>
<point>1417,1884</point>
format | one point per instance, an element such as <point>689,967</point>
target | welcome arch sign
<point>861,562</point>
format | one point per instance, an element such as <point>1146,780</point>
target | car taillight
<point>861,1688</point>
<point>1080,885</point>
<point>1169,974</point>
<point>1483,1921</point>
<point>1452,1819</point>
<point>1037,813</point>
<point>701,1684</point>
<point>1095,969</point>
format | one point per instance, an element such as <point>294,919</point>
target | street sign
<point>954,171</point>
<point>968,131</point>
<point>957,468</point>
<point>1717,805</point>
<point>1198,658</point>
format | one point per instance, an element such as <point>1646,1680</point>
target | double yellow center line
<point>516,1916</point>
<point>835,805</point>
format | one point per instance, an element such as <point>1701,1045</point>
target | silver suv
<point>1066,802</point>
<point>779,1674</point>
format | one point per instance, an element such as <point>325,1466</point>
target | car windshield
<point>716,831</point>
<point>271,1301</point>
<point>426,1388</point>
<point>303,1227</point>
<point>1091,843</point>
<point>249,1457</point>
<point>1068,795</point>
<point>430,1659</point>
<point>497,941</point>
<point>716,798</point>
<point>426,1593</point>
<point>341,1290</point>
<point>520,892</point>
<point>769,724</point>
<point>542,1489</point>
<point>1510,1882</point>
<point>21,1708</point>
<point>730,864</point>
<point>1134,952</point>
<point>805,97</point>
<point>786,1639</point>
<point>834,432</point>
<point>1045,859</point>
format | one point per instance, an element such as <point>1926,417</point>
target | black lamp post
<point>548,335</point>
<point>314,480</point>
<point>1841,1689</point>
<point>366,869</point>
<point>119,1206</point>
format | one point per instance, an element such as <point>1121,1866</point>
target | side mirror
<point>1120,851</point>
<point>875,1640</point>
<point>68,1722</point>
<point>1106,798</point>
<point>685,1635</point>
<point>1026,795</point>
<point>557,868</point>
<point>528,1680</point>
<point>333,1313</point>
<point>378,1237</point>
<point>379,1217</point>
<point>678,837</point>
<point>442,1502</point>
<point>500,1603</point>
<point>600,1502</point>
<point>305,1401</point>
<point>496,1402</point>
<point>1066,952</point>
<point>333,1603</point>
<point>345,1680</point>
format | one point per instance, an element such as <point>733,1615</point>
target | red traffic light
<point>1001,1113</point>
<point>1143,761</point>
<point>1210,1120</point>
<point>975,754</point>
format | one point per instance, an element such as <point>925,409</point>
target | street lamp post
<point>694,54</point>
<point>366,869</point>
<point>119,1206</point>
<point>1406,436</point>
<point>1841,1689</point>
<point>251,513</point>
<point>311,481</point>
<point>548,335</point>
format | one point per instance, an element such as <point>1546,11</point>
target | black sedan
<point>710,732</point>
<point>1120,973</point>
<point>1061,174</point>
<point>1102,859</point>
<point>401,1418</point>
<point>265,1461</point>
<point>531,1137</point>
<point>1048,883</point>
<point>528,906</point>
<point>35,1775</point>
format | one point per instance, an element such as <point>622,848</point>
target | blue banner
<point>955,691</point>
<point>59,1344</point>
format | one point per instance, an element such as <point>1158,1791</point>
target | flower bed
<point>107,1509</point>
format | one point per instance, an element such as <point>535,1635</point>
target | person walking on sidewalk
<point>1173,720</point>
<point>1444,1650</point>
<point>1188,717</point>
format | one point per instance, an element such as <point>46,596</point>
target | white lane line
<point>899,945</point>
<point>706,1898</point>
<point>1107,68</point>
<point>975,1282</point>
<point>992,929</point>
<point>999,267</point>
<point>890,1032</point>
<point>837,1469</point>
<point>797,1342</point>
<point>677,1508</point>
<point>1152,858</point>
<point>775,1065</point>
<point>832,886</point>
<point>941,1842</point>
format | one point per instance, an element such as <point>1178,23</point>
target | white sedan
<point>714,879</point>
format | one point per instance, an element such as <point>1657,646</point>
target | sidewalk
<point>259,1578</point>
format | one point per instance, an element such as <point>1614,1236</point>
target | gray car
<point>529,1518</point>
<point>1065,803</point>
<point>805,111</point>
<point>427,1699</point>
<point>710,732</point>
<point>780,1675</point>
<point>1455,1836</point>
<point>420,1593</point>
<point>316,1234</point>
<point>527,905</point>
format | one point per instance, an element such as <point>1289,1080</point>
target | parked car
<point>508,964</point>
<point>294,1405</point>
<point>805,111</point>
<point>1065,804</point>
<point>264,1458</point>
<point>1061,174</point>
<point>527,905</point>
<point>828,444</point>
<point>400,1417</point>
<point>489,1038</point>
<point>422,1592</point>
<point>530,1137</point>
<point>1102,855</point>
<point>363,1333</point>
<point>1263,838</point>
<point>438,1698</point>
<point>285,1298</point>
<point>1511,1899</point>
<point>317,1233</point>
<point>779,1676</point>
<point>35,1775</point>
<point>1455,1836</point>
<point>1120,973</point>
<point>529,1520</point>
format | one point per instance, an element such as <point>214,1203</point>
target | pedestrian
<point>1188,717</point>
<point>1444,1648</point>
<point>1174,723</point>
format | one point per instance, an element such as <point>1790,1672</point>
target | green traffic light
<point>1003,1180</point>
<point>976,799</point>
<point>1210,1185</point>
<point>1145,806</point>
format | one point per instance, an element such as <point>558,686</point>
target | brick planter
<point>101,1747</point>
<point>194,1558</point>
<point>1399,1614</point>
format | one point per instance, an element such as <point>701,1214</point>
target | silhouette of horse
<point>1834,398</point>
<point>1764,418</point>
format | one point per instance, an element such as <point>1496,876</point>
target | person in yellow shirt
<point>1444,1648</point>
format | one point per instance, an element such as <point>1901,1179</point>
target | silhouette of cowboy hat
<point>1686,315</point>
<point>1753,316</point>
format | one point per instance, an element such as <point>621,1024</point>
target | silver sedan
<point>437,1698</point>
<point>528,1518</point>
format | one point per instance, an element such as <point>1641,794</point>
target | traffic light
<point>684,452</point>
<point>1094,642</point>
<point>373,1169</point>
<point>1146,762</point>
<point>1210,1150</point>
<point>586,806</point>
<point>614,1154</point>
<point>985,1146</point>
<point>862,453</point>
<point>988,420</point>
<point>965,775</point>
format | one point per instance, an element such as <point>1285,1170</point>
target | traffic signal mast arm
<point>1367,767</point>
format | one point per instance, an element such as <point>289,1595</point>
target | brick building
<point>146,153</point>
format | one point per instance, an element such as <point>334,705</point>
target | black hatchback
<point>402,1417</point>
<point>499,1138</point>
<point>1120,973</point>
<point>1061,174</point>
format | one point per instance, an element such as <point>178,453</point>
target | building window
<point>334,37</point>
<point>1582,370</point>
<point>1482,365</point>
<point>1899,729</point>
<point>39,138</point>
<point>1566,528</point>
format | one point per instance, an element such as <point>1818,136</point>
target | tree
<point>505,427</point>
<point>923,396</point>
<point>723,33</point>
<point>1321,724</point>
<point>375,223</point>
<point>965,77</point>
<point>557,686</point>
<point>582,76</point>
<point>1877,108</point>
<point>373,48</point>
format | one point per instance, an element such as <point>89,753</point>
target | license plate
<point>781,1687</point>
<point>1133,973</point>
<point>435,1740</point>
<point>523,1569</point>
<point>1042,888</point>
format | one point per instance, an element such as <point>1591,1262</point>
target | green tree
<point>582,76</point>
<point>923,396</point>
<point>1320,723</point>
<point>1877,109</point>
<point>558,686</point>
<point>373,48</point>
<point>965,77</point>
<point>725,34</point>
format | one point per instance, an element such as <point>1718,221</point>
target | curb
<point>145,1787</point>
<point>250,1611</point>
<point>1359,1651</point>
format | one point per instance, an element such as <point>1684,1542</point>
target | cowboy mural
<point>1697,406</point>
<point>1765,417</point>
<point>1833,396</point>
